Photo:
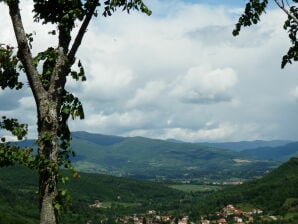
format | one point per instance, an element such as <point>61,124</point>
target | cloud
<point>176,74</point>
<point>203,85</point>
<point>149,95</point>
<point>294,93</point>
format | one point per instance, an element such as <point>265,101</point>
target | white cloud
<point>149,95</point>
<point>177,74</point>
<point>221,132</point>
<point>27,103</point>
<point>203,85</point>
<point>294,93</point>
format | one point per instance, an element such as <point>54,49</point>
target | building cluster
<point>152,218</point>
<point>230,214</point>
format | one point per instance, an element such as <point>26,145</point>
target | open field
<point>195,187</point>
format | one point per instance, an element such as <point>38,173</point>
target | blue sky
<point>218,2</point>
<point>176,74</point>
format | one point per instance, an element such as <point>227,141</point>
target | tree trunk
<point>48,125</point>
<point>48,150</point>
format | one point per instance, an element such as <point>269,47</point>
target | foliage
<point>8,72</point>
<point>255,8</point>
<point>122,196</point>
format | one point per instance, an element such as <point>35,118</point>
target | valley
<point>123,179</point>
<point>159,160</point>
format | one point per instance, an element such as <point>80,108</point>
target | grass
<point>195,188</point>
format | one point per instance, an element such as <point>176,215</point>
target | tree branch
<point>78,40</point>
<point>24,51</point>
<point>58,79</point>
<point>282,7</point>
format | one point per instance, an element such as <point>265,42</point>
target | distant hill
<point>279,153</point>
<point>275,193</point>
<point>160,160</point>
<point>245,145</point>
<point>97,138</point>
<point>153,159</point>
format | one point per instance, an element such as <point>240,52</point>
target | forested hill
<point>275,193</point>
<point>18,198</point>
<point>146,158</point>
<point>153,159</point>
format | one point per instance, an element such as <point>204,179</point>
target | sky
<point>178,74</point>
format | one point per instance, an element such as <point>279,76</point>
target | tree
<point>54,104</point>
<point>255,8</point>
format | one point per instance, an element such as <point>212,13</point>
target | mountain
<point>153,159</point>
<point>245,145</point>
<point>275,193</point>
<point>160,160</point>
<point>97,138</point>
<point>279,153</point>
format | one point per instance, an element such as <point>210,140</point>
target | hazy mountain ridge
<point>279,153</point>
<point>246,145</point>
<point>158,159</point>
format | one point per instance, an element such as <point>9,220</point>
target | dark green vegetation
<point>195,187</point>
<point>276,193</point>
<point>145,158</point>
<point>119,196</point>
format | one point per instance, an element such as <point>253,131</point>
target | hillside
<point>278,153</point>
<point>275,193</point>
<point>246,145</point>
<point>160,160</point>
<point>18,200</point>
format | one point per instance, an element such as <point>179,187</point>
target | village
<point>228,215</point>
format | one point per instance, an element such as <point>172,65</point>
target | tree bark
<point>48,148</point>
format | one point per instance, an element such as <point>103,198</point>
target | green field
<point>195,187</point>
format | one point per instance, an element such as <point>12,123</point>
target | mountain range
<point>162,160</point>
<point>154,159</point>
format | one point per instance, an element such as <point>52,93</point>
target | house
<point>184,220</point>
<point>97,204</point>
<point>222,221</point>
<point>237,212</point>
<point>250,219</point>
<point>165,218</point>
<point>151,212</point>
<point>237,219</point>
<point>257,211</point>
